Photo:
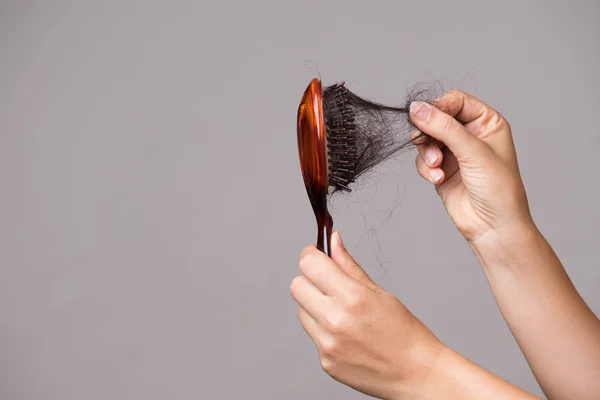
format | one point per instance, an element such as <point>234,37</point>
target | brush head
<point>340,130</point>
<point>341,135</point>
<point>327,138</point>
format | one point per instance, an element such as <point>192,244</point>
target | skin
<point>368,340</point>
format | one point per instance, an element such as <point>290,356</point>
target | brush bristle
<point>340,128</point>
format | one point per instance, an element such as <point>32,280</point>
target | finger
<point>308,323</point>
<point>462,106</point>
<point>433,175</point>
<point>308,296</point>
<point>478,118</point>
<point>323,272</point>
<point>451,170</point>
<point>419,138</point>
<point>449,164</point>
<point>431,153</point>
<point>445,128</point>
<point>340,255</point>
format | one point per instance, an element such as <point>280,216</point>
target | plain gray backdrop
<point>152,207</point>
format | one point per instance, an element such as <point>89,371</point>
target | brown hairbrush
<point>340,137</point>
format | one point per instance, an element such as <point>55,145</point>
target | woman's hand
<point>365,337</point>
<point>472,163</point>
<point>369,341</point>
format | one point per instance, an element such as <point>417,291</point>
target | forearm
<point>557,332</point>
<point>455,377</point>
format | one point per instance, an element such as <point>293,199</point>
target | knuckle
<point>306,259</point>
<point>296,284</point>
<point>454,95</point>
<point>493,120</point>
<point>455,91</point>
<point>418,160</point>
<point>420,165</point>
<point>505,122</point>
<point>451,96</point>
<point>337,323</point>
<point>356,300</point>
<point>329,348</point>
<point>327,364</point>
<point>306,253</point>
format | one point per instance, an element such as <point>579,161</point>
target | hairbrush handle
<point>325,225</point>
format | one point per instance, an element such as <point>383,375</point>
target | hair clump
<point>362,134</point>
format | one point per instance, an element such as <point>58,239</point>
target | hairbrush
<point>340,137</point>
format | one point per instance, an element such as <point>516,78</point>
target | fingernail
<point>435,175</point>
<point>420,110</point>
<point>431,155</point>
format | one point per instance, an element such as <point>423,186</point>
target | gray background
<point>152,206</point>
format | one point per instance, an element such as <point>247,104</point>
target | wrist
<point>505,246</point>
<point>443,380</point>
<point>455,377</point>
<point>422,378</point>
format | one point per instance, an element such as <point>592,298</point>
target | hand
<point>472,163</point>
<point>365,337</point>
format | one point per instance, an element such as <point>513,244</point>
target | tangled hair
<point>362,134</point>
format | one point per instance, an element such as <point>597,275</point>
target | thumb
<point>344,260</point>
<point>446,129</point>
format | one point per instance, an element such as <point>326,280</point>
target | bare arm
<point>557,332</point>
<point>473,166</point>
